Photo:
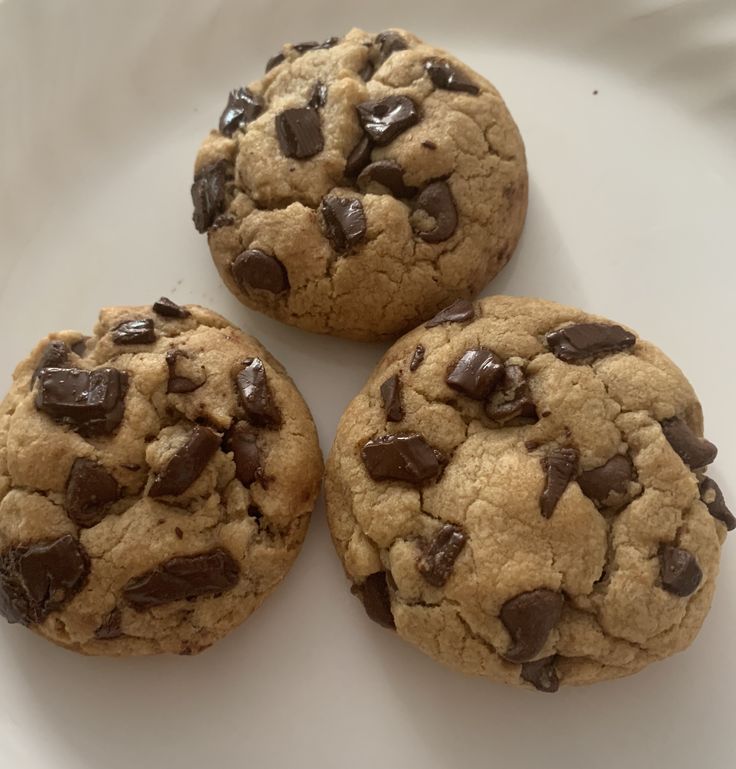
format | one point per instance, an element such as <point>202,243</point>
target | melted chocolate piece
<point>542,674</point>
<point>168,309</point>
<point>367,71</point>
<point>318,97</point>
<point>477,373</point>
<point>79,347</point>
<point>694,451</point>
<point>299,132</point>
<point>344,221</point>
<point>459,311</point>
<point>304,47</point>
<point>90,490</point>
<point>358,158</point>
<point>384,119</point>
<point>712,496</point>
<point>38,578</point>
<point>209,194</point>
<point>177,383</point>
<point>401,457</point>
<point>275,60</point>
<point>386,174</point>
<point>187,464</point>
<point>243,106</point>
<point>613,477</point>
<point>430,145</point>
<point>437,201</point>
<point>55,354</point>
<point>389,42</point>
<point>255,269</point>
<point>437,560</point>
<point>512,399</point>
<point>134,332</point>
<point>184,577</point>
<point>679,571</point>
<point>391,395</point>
<point>374,594</point>
<point>417,358</point>
<point>560,465</point>
<point>110,627</point>
<point>255,395</point>
<point>445,75</point>
<point>587,340</point>
<point>241,440</point>
<point>530,618</point>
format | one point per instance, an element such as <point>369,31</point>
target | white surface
<point>631,215</point>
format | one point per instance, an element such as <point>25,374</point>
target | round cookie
<point>519,491</point>
<point>361,185</point>
<point>156,482</point>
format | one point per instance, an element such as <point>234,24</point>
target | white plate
<point>629,114</point>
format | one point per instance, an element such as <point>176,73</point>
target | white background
<point>632,211</point>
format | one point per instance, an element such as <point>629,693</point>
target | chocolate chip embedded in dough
<point>477,373</point>
<point>256,396</point>
<point>695,452</point>
<point>55,354</point>
<point>385,174</point>
<point>437,560</point>
<point>299,132</point>
<point>90,490</point>
<point>401,457</point>
<point>447,76</point>
<point>187,464</point>
<point>134,332</point>
<point>243,107</point>
<point>209,193</point>
<point>541,674</point>
<point>417,357</point>
<point>712,496</point>
<point>374,594</point>
<point>256,270</point>
<point>586,340</point>
<point>459,311</point>
<point>679,571</point>
<point>391,396</point>
<point>344,221</point>
<point>385,119</point>
<point>530,618</point>
<point>168,309</point>
<point>561,466</point>
<point>437,201</point>
<point>612,477</point>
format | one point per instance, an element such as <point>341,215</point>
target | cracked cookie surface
<point>156,482</point>
<point>361,185</point>
<point>519,490</point>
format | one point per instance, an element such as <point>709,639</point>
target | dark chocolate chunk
<point>274,61</point>
<point>134,332</point>
<point>331,42</point>
<point>178,383</point>
<point>374,594</point>
<point>90,490</point>
<point>401,457</point>
<point>560,465</point>
<point>694,451</point>
<point>417,358</point>
<point>299,132</point>
<point>445,75</point>
<point>712,496</point>
<point>679,571</point>
<point>344,221</point>
<point>477,373</point>
<point>542,674</point>
<point>241,440</point>
<point>243,107</point>
<point>179,533</point>
<point>511,399</point>
<point>304,47</point>
<point>255,269</point>
<point>391,395</point>
<point>318,97</point>
<point>389,42</point>
<point>438,558</point>
<point>530,618</point>
<point>585,340</point>
<point>458,312</point>
<point>367,70</point>
<point>92,402</point>
<point>168,309</point>
<point>358,158</point>
<point>255,512</point>
<point>110,627</point>
<point>384,119</point>
<point>613,477</point>
<point>39,578</point>
<point>430,145</point>
<point>209,194</point>
<point>184,577</point>
<point>255,395</point>
<point>187,464</point>
<point>436,200</point>
<point>388,174</point>
<point>79,348</point>
<point>55,355</point>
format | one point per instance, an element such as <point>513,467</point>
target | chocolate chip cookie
<point>519,490</point>
<point>360,185</point>
<point>156,482</point>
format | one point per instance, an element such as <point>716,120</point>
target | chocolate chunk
<point>679,571</point>
<point>318,97</point>
<point>391,395</point>
<point>374,594</point>
<point>358,158</point>
<point>530,618</point>
<point>437,201</point>
<point>389,42</point>
<point>79,348</point>
<point>367,71</point>
<point>241,440</point>
<point>417,358</point>
<point>344,221</point>
<point>437,560</point>
<point>179,533</point>
<point>243,106</point>
<point>401,457</point>
<point>184,577</point>
<point>458,312</point>
<point>110,627</point>
<point>177,383</point>
<point>476,374</point>
<point>187,464</point>
<point>39,578</point>
<point>90,490</point>
<point>255,512</point>
<point>331,42</point>
<point>613,477</point>
<point>168,309</point>
<point>384,119</point>
<point>304,47</point>
<point>512,399</point>
<point>388,174</point>
<point>274,61</point>
<point>255,269</point>
<point>542,674</point>
<point>92,402</point>
<point>255,395</point>
<point>561,465</point>
<point>712,496</point>
<point>299,132</point>
<point>209,194</point>
<point>134,332</point>
<point>430,145</point>
<point>55,355</point>
<point>694,451</point>
<point>445,75</point>
<point>586,340</point>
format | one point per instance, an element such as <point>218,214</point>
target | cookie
<point>519,491</point>
<point>156,482</point>
<point>360,185</point>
